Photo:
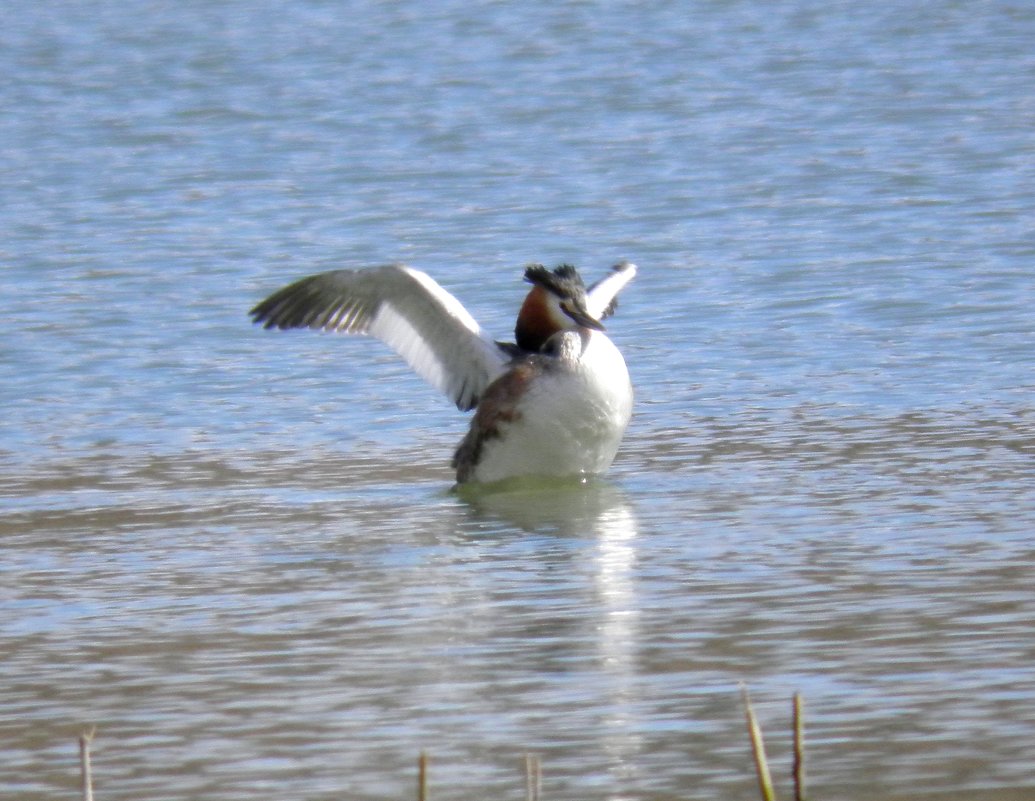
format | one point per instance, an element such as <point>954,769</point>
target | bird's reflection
<point>596,509</point>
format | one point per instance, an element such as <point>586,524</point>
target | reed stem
<point>85,771</point>
<point>799,748</point>
<point>422,777</point>
<point>533,778</point>
<point>765,780</point>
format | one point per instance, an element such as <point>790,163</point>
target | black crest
<point>563,280</point>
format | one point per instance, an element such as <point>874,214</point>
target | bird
<point>554,403</point>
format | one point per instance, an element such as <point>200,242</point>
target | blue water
<point>235,550</point>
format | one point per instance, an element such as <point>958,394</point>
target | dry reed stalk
<point>85,772</point>
<point>533,777</point>
<point>422,777</point>
<point>765,780</point>
<point>799,748</point>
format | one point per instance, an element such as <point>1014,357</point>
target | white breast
<point>570,420</point>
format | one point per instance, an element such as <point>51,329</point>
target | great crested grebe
<point>556,403</point>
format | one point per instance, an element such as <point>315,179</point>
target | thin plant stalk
<point>85,772</point>
<point>533,777</point>
<point>765,780</point>
<point>422,777</point>
<point>799,748</point>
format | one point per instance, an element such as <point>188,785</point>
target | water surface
<point>236,552</point>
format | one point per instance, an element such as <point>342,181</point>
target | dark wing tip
<point>263,312</point>
<point>317,301</point>
<point>285,308</point>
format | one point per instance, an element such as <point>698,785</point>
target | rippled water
<point>236,551</point>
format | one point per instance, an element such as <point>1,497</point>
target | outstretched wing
<point>404,308</point>
<point>602,297</point>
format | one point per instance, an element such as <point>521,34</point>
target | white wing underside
<point>601,296</point>
<point>408,311</point>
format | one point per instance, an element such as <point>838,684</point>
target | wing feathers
<point>602,297</point>
<point>407,310</point>
<point>404,308</point>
